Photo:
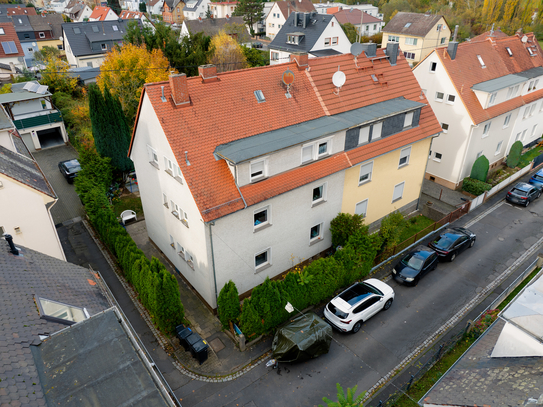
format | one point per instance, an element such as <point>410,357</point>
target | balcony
<point>40,119</point>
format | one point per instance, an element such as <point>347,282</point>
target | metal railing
<point>29,122</point>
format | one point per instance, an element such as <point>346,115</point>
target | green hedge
<point>475,187</point>
<point>157,288</point>
<point>480,168</point>
<point>514,154</point>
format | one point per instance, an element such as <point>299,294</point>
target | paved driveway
<point>68,205</point>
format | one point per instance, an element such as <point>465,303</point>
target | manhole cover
<point>217,345</point>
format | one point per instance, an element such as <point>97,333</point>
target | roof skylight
<point>95,28</point>
<point>260,96</point>
<point>77,30</point>
<point>509,51</point>
<point>481,61</point>
<point>58,311</point>
<point>115,28</point>
<point>407,25</point>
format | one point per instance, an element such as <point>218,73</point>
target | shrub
<point>482,324</point>
<point>514,154</point>
<point>391,229</point>
<point>250,323</point>
<point>345,225</point>
<point>480,168</point>
<point>228,307</point>
<point>475,187</point>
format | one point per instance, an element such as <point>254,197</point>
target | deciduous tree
<point>56,76</point>
<point>227,53</point>
<point>251,11</point>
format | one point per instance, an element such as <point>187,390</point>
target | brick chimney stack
<point>301,58</point>
<point>180,89</point>
<point>208,73</point>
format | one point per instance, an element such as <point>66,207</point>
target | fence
<point>508,181</point>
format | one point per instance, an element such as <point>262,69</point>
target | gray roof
<point>95,362</point>
<point>8,67</point>
<point>255,146</point>
<point>312,32</point>
<point>420,25</point>
<point>22,278</point>
<point>194,4</point>
<point>81,44</point>
<point>503,82</point>
<point>47,22</point>
<point>20,22</point>
<point>5,121</point>
<point>211,26</point>
<point>24,170</point>
<point>84,73</point>
<point>532,73</point>
<point>325,52</point>
<point>19,144</point>
<point>19,94</point>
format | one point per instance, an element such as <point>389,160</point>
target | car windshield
<point>445,241</point>
<point>413,261</point>
<point>337,312</point>
<point>517,191</point>
<point>538,177</point>
<point>358,292</point>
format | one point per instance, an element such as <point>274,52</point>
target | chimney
<point>208,73</point>
<point>370,48</point>
<point>12,248</point>
<point>301,58</point>
<point>392,52</point>
<point>452,48</point>
<point>179,89</point>
<point>306,19</point>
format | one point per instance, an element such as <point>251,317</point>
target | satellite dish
<point>338,79</point>
<point>34,44</point>
<point>60,38</point>
<point>356,49</point>
<point>288,77</point>
<point>524,39</point>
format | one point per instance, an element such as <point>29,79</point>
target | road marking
<point>456,317</point>
<point>482,215</point>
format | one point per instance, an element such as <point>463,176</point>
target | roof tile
<point>419,24</point>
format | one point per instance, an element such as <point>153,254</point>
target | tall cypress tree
<point>98,120</point>
<point>118,137</point>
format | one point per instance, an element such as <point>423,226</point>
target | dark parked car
<point>69,169</point>
<point>415,265</point>
<point>537,180</point>
<point>452,242</point>
<point>523,194</point>
<point>257,45</point>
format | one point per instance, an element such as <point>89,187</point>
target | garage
<point>50,137</point>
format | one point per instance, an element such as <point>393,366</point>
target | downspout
<point>212,223</point>
<point>236,183</point>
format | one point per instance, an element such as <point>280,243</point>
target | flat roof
<point>19,94</point>
<point>503,82</point>
<point>265,143</point>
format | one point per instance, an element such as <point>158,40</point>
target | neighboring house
<point>154,7</point>
<point>87,43</point>
<point>332,8</point>
<point>319,35</point>
<point>195,9</point>
<point>223,9</point>
<point>30,11</point>
<point>487,93</point>
<point>38,121</point>
<point>26,196</point>
<point>227,197</point>
<point>281,11</point>
<point>58,6</point>
<point>172,12</point>
<point>63,342</point>
<point>365,24</point>
<point>85,75</point>
<point>503,366</point>
<point>417,34</point>
<point>136,15</point>
<point>103,14</point>
<point>7,70</point>
<point>78,12</point>
<point>47,30</point>
<point>260,26</point>
<point>11,51</point>
<point>208,26</point>
<point>22,26</point>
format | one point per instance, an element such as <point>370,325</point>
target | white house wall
<point>86,13</point>
<point>278,21</point>
<point>333,30</point>
<point>282,57</point>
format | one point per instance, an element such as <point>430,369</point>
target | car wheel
<point>538,194</point>
<point>389,303</point>
<point>472,243</point>
<point>453,256</point>
<point>357,326</point>
<point>527,203</point>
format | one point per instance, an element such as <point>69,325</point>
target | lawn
<point>129,201</point>
<point>415,225</point>
<point>529,156</point>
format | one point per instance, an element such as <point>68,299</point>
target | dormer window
<point>294,39</point>
<point>481,61</point>
<point>42,35</point>
<point>104,47</point>
<point>95,28</point>
<point>258,170</point>
<point>316,151</point>
<point>509,51</point>
<point>492,98</point>
<point>530,51</point>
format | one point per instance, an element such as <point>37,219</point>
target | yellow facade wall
<point>50,43</point>
<point>385,176</point>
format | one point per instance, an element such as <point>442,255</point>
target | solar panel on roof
<point>42,89</point>
<point>9,47</point>
<point>27,86</point>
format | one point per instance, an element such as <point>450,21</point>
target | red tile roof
<point>466,71</point>
<point>99,13</point>
<point>353,16</point>
<point>29,11</point>
<point>227,110</point>
<point>303,6</point>
<point>128,15</point>
<point>10,35</point>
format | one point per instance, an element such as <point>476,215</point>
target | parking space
<point>68,205</point>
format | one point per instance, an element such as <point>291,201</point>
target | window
<point>407,25</point>
<point>104,47</point>
<point>433,66</point>
<point>165,200</point>
<point>172,243</point>
<point>60,312</point>
<point>533,130</point>
<point>175,209</point>
<point>480,153</point>
<point>153,156</point>
<point>443,40</point>
<point>439,27</point>
<point>376,130</point>
<point>532,109</point>
<point>42,35</point>
<point>450,99</point>
<point>517,137</point>
<point>30,49</point>
<point>486,129</point>
<point>437,157</point>
<point>315,151</point>
<point>492,98</point>
<point>77,30</point>
<point>530,85</point>
<point>263,259</point>
<point>95,28</point>
<point>315,233</point>
<point>411,41</point>
<point>481,61</point>
<point>365,173</point>
<point>258,170</point>
<point>408,120</point>
<point>509,51</point>
<point>507,120</point>
<point>27,36</point>
<point>335,40</point>
<point>523,134</point>
<point>512,91</point>
<point>439,96</point>
<point>398,192</point>
<point>445,127</point>
<point>260,96</point>
<point>323,149</point>
<point>180,250</point>
<point>367,28</point>
<point>393,38</point>
<point>318,195</point>
<point>327,42</point>
<point>409,55</point>
<point>2,32</point>
<point>43,104</point>
<point>530,51</point>
<point>404,157</point>
<point>115,28</point>
<point>307,153</point>
<point>168,166</point>
<point>261,218</point>
<point>361,208</point>
<point>60,47</point>
<point>275,56</point>
<point>364,135</point>
<point>498,148</point>
<point>89,64</point>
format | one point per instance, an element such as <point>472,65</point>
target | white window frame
<point>512,92</point>
<point>517,137</point>
<point>364,133</point>
<point>376,131</point>
<point>404,153</point>
<point>268,261</point>
<point>523,135</point>
<point>175,209</point>
<point>42,35</point>
<point>526,113</point>
<point>402,184</point>
<point>168,166</point>
<point>507,121</point>
<point>364,171</point>
<point>480,58</point>
<point>408,120</point>
<point>445,130</point>
<point>442,98</point>
<point>411,41</point>
<point>335,41</point>
<point>268,218</point>
<point>361,203</point>
<point>314,146</point>
<point>433,67</point>
<point>492,100</point>
<point>449,102</point>
<point>409,55</point>
<point>532,109</point>
<point>177,173</point>
<point>153,156</point>
<point>315,202</point>
<point>180,250</point>
<point>327,41</point>
<point>264,174</point>
<point>104,47</point>
<point>534,129</point>
<point>319,237</point>
<point>498,148</point>
<point>436,158</point>
<point>165,200</point>
<point>486,129</point>
<point>172,242</point>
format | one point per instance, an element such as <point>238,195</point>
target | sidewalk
<point>442,198</point>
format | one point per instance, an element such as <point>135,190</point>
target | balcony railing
<point>35,121</point>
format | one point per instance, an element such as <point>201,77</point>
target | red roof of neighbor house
<point>287,7</point>
<point>99,13</point>
<point>496,34</point>
<point>127,15</point>
<point>227,110</point>
<point>466,71</point>
<point>29,11</point>
<point>10,35</point>
<point>353,16</point>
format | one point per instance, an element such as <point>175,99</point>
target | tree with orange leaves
<point>126,69</point>
<point>227,54</point>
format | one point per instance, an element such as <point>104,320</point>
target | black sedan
<point>452,242</point>
<point>69,169</point>
<point>523,194</point>
<point>415,265</point>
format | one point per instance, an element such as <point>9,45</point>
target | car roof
<point>523,186</point>
<point>423,251</point>
<point>71,163</point>
<point>540,173</point>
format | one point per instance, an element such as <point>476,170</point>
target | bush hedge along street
<point>475,187</point>
<point>514,154</point>
<point>479,171</point>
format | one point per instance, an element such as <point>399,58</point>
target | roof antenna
<point>492,30</point>
<point>187,157</point>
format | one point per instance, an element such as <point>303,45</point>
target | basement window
<point>481,61</point>
<point>259,96</point>
<point>60,312</point>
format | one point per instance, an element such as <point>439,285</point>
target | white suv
<point>358,303</point>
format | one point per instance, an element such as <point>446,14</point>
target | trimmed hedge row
<point>157,288</point>
<point>475,187</point>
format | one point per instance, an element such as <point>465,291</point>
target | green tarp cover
<point>305,337</point>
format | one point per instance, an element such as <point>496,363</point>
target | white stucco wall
<point>277,21</point>
<point>86,13</point>
<point>24,208</point>
<point>525,126</point>
<point>333,29</point>
<point>157,8</point>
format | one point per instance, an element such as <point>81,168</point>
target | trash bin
<point>182,332</point>
<point>198,350</point>
<point>192,339</point>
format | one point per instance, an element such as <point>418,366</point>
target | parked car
<point>415,265</point>
<point>537,180</point>
<point>452,242</point>
<point>69,169</point>
<point>358,303</point>
<point>257,45</point>
<point>523,194</point>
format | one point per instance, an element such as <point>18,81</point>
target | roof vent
<point>259,96</point>
<point>163,98</point>
<point>187,157</point>
<point>12,248</point>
